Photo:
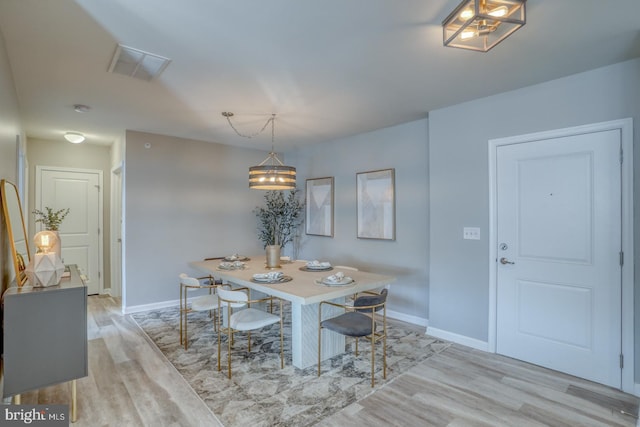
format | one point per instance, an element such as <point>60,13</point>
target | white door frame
<point>116,230</point>
<point>626,132</point>
<point>38,175</point>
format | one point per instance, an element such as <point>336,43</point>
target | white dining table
<point>305,292</point>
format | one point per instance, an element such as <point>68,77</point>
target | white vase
<point>273,256</point>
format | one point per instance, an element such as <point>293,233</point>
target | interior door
<point>559,242</point>
<point>80,231</point>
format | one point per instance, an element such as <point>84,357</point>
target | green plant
<point>279,217</point>
<point>51,219</point>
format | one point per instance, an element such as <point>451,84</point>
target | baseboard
<point>415,320</point>
<point>147,307</point>
<point>636,389</point>
<point>458,339</point>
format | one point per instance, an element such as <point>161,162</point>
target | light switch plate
<point>471,233</point>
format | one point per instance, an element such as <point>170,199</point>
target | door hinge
<point>621,361</point>
<point>621,258</point>
<point>99,274</point>
<point>621,155</point>
<point>98,231</point>
<point>98,187</point>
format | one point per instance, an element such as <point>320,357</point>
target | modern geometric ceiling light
<point>74,137</point>
<point>481,24</point>
<point>271,174</point>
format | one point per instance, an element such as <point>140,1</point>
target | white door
<point>78,190</point>
<point>558,255</point>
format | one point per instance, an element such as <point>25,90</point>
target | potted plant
<point>51,219</point>
<point>277,221</point>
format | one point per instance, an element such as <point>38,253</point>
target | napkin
<point>231,265</point>
<point>272,275</point>
<point>233,257</point>
<point>318,264</point>
<point>339,277</point>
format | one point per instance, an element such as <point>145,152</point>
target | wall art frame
<point>319,202</point>
<point>376,204</point>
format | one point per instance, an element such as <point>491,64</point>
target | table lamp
<point>45,268</point>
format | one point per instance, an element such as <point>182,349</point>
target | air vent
<point>137,63</point>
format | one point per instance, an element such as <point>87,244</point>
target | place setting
<point>337,279</point>
<point>232,265</point>
<point>236,257</point>
<point>316,266</point>
<point>270,277</point>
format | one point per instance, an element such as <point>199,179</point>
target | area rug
<point>262,394</point>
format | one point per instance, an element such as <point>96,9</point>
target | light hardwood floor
<point>130,383</point>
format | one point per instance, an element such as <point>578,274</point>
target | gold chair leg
<point>249,340</point>
<point>74,402</point>
<point>356,346</point>
<point>281,338</point>
<point>373,356</point>
<point>319,337</point>
<point>229,341</point>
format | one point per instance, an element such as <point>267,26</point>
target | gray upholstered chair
<point>244,319</point>
<point>207,302</point>
<point>359,320</point>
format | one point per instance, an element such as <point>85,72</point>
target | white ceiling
<point>328,68</point>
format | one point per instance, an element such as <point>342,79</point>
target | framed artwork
<point>376,204</point>
<point>319,203</point>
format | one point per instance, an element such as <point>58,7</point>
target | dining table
<point>305,288</point>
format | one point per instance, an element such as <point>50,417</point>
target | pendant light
<point>271,174</point>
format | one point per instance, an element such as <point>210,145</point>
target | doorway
<point>561,295</point>
<point>81,232</point>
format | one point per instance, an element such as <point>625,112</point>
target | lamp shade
<point>272,177</point>
<point>45,241</point>
<point>481,24</point>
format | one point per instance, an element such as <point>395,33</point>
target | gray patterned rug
<point>261,394</point>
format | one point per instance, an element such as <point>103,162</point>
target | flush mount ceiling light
<point>74,137</point>
<point>482,24</point>
<point>271,174</point>
<point>81,108</point>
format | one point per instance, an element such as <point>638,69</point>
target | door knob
<point>503,261</point>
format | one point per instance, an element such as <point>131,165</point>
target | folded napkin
<point>233,257</point>
<point>272,275</point>
<point>339,277</point>
<point>318,264</point>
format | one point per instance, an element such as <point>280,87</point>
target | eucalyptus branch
<point>279,217</point>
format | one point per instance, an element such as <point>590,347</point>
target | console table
<point>45,337</point>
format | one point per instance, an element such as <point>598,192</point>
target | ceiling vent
<point>137,63</point>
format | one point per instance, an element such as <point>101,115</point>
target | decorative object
<point>46,267</point>
<point>16,231</point>
<point>74,137</point>
<point>273,256</point>
<point>279,218</point>
<point>375,199</point>
<point>271,174</point>
<point>482,24</point>
<point>319,202</point>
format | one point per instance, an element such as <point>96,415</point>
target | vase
<point>273,256</point>
<point>57,247</point>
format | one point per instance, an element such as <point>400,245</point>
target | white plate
<point>344,282</point>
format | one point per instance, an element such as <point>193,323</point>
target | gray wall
<point>185,200</point>
<point>10,127</point>
<point>404,148</point>
<point>43,152</point>
<point>459,183</point>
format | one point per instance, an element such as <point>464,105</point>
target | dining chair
<point>244,320</point>
<point>207,302</point>
<point>359,320</point>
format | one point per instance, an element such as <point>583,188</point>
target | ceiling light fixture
<point>74,137</point>
<point>482,24</point>
<point>271,174</point>
<point>81,108</point>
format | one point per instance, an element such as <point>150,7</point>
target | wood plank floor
<point>130,383</point>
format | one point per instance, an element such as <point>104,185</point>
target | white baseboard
<point>636,389</point>
<point>415,320</point>
<point>458,339</point>
<point>147,307</point>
